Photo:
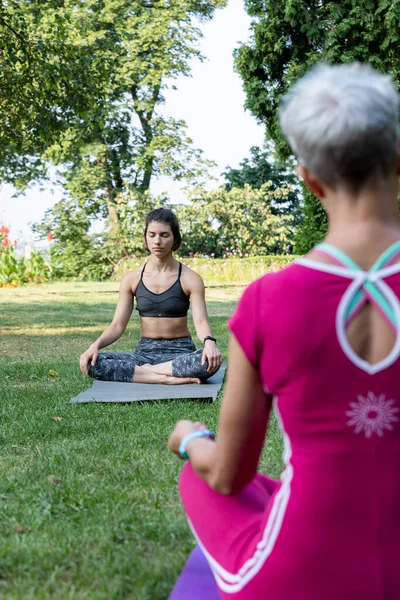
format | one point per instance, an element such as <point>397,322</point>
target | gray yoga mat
<point>110,391</point>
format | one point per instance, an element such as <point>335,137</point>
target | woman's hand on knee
<point>212,355</point>
<point>90,355</point>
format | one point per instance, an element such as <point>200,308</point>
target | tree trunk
<point>113,217</point>
<point>145,121</point>
<point>145,185</point>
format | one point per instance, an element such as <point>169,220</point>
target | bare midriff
<point>164,328</point>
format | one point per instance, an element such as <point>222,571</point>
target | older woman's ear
<point>313,184</point>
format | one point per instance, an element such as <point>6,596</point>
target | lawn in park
<point>88,492</point>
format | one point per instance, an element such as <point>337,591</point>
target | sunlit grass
<point>88,500</point>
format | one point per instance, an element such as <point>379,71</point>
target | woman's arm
<point>211,352</point>
<point>117,327</point>
<point>230,462</point>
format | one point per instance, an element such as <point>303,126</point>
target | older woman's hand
<point>182,428</point>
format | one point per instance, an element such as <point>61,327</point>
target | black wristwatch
<point>209,337</point>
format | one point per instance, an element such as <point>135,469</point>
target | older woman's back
<point>334,517</point>
<point>323,338</point>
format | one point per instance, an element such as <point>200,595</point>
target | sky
<point>210,101</point>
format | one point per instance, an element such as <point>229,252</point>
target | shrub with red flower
<point>50,237</point>
<point>5,242</point>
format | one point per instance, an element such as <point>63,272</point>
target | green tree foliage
<point>289,36</point>
<point>257,170</point>
<point>39,75</point>
<point>261,168</point>
<point>236,222</point>
<point>85,84</point>
<point>78,252</point>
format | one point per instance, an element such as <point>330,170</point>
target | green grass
<point>88,504</point>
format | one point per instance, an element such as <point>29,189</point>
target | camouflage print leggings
<point>120,366</point>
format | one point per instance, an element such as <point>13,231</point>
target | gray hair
<point>342,123</point>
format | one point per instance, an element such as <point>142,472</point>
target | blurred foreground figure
<point>320,342</point>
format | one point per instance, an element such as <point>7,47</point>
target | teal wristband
<point>192,436</point>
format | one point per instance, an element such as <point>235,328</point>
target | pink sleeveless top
<point>335,515</point>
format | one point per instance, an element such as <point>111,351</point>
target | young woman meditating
<point>163,288</point>
<point>320,342</point>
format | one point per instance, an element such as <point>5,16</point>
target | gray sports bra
<point>172,303</point>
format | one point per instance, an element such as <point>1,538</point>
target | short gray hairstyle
<point>342,123</point>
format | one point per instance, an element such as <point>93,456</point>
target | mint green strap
<point>348,262</point>
<point>386,257</point>
<point>339,255</point>
<point>381,301</point>
<point>369,286</point>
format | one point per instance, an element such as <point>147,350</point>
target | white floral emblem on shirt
<point>372,414</point>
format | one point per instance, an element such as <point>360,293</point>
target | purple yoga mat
<point>196,582</point>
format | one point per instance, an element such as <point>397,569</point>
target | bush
<point>16,271</point>
<point>12,270</point>
<point>314,226</point>
<point>219,270</point>
<point>221,223</point>
<point>240,220</point>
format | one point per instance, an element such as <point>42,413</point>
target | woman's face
<point>159,239</point>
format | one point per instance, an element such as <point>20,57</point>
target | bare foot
<point>180,380</point>
<point>146,374</point>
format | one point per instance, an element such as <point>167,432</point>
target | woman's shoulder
<point>189,274</point>
<point>131,279</point>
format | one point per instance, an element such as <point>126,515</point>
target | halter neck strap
<point>369,290</point>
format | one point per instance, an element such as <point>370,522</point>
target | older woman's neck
<point>373,207</point>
